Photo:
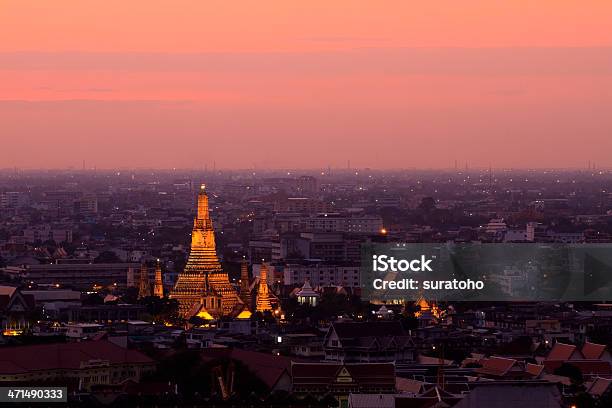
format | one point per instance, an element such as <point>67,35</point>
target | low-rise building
<point>340,380</point>
<point>320,274</point>
<point>90,362</point>
<point>80,275</point>
<point>368,342</point>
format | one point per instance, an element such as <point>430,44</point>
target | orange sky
<point>305,84</point>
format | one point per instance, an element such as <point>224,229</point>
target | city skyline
<point>149,270</point>
<point>213,170</point>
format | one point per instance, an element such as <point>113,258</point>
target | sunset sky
<point>305,84</point>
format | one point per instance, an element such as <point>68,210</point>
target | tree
<point>570,371</point>
<point>196,377</point>
<point>329,401</point>
<point>409,321</point>
<point>605,400</point>
<point>107,257</point>
<point>93,299</point>
<point>131,295</point>
<point>197,321</point>
<point>584,400</point>
<point>162,309</point>
<point>427,204</point>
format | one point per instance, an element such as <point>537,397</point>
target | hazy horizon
<point>589,167</point>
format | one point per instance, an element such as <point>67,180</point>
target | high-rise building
<point>158,288</point>
<point>13,199</point>
<point>531,231</point>
<point>86,205</point>
<point>203,288</point>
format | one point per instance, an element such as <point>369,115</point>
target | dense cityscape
<point>228,288</point>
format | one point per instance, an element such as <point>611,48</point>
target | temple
<point>427,308</point>
<point>307,295</point>
<point>203,289</point>
<point>158,288</point>
<point>144,289</point>
<point>263,291</point>
<point>245,288</point>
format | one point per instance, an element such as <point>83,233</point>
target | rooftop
<point>24,359</point>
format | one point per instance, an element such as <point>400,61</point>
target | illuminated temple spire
<point>245,288</point>
<point>263,291</point>
<point>203,287</point>
<point>158,289</point>
<point>144,288</point>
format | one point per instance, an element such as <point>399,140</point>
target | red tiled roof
<point>599,386</point>
<point>557,379</point>
<point>593,351</point>
<point>436,391</point>
<point>6,299</point>
<point>421,359</point>
<point>408,385</point>
<point>534,369</point>
<point>497,366</point>
<point>512,394</point>
<point>22,359</point>
<point>267,367</point>
<point>373,372</point>
<point>561,351</point>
